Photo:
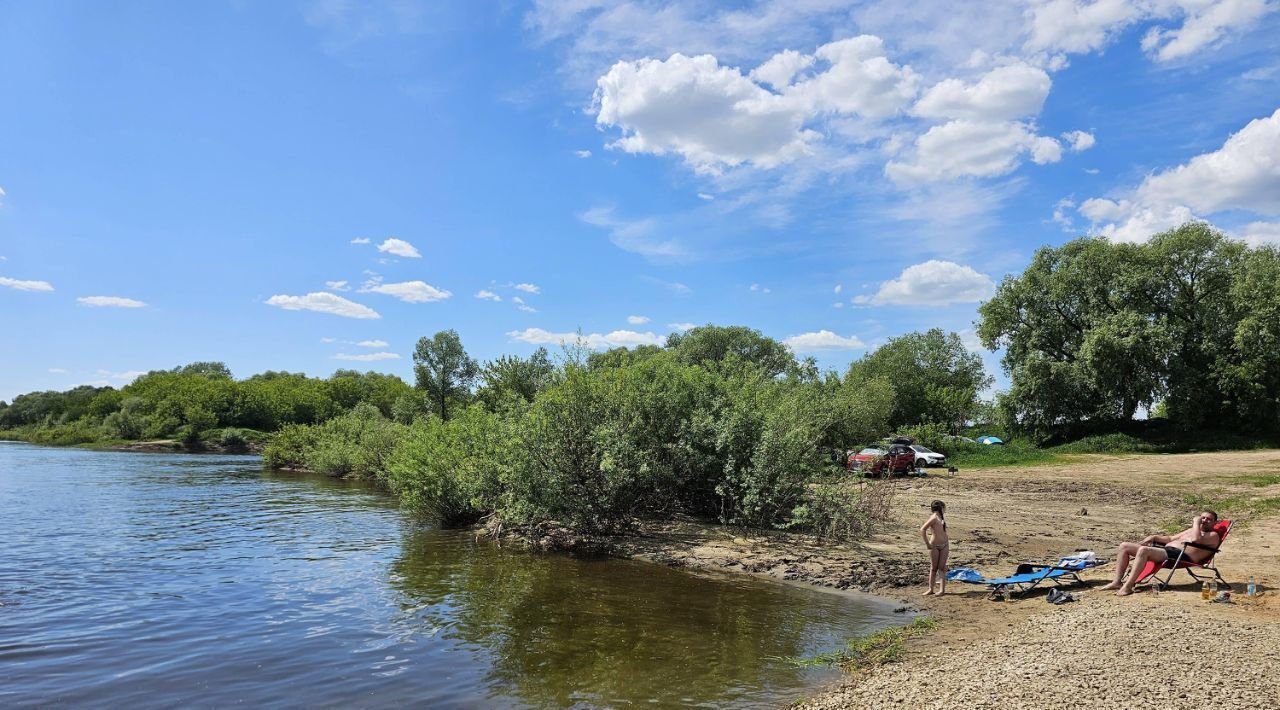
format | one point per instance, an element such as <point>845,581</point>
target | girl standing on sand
<point>939,547</point>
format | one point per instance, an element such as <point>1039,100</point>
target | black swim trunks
<point>1173,552</point>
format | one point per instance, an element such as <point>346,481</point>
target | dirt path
<point>999,517</point>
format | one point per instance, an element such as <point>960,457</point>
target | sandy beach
<point>1099,651</point>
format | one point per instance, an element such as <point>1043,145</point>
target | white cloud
<point>822,340</point>
<point>128,376</point>
<point>57,371</point>
<point>360,240</point>
<point>528,288</point>
<point>322,302</point>
<point>637,320</point>
<point>582,153</point>
<point>1260,233</point>
<point>596,341</point>
<point>633,235</point>
<point>1206,24</point>
<point>366,357</point>
<point>682,326</point>
<point>1244,174</point>
<point>372,343</point>
<point>337,285</point>
<point>399,247</point>
<point>970,149</point>
<point>781,68</point>
<point>109,302</point>
<point>933,283</point>
<point>1077,26</point>
<point>838,288</point>
<point>1004,94</point>
<point>705,197</point>
<point>408,291</point>
<point>838,304</point>
<point>488,296</point>
<point>757,288</point>
<point>25,285</point>
<point>710,115</point>
<point>1079,140</point>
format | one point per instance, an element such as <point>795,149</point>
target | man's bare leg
<point>1123,553</point>
<point>1145,555</point>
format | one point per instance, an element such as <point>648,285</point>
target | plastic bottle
<point>1204,590</point>
<point>1253,588</point>
<point>1213,589</point>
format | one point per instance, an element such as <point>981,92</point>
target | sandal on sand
<point>1063,598</point>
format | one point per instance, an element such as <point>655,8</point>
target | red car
<point>899,458</point>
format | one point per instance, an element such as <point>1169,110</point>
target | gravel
<point>1098,652</point>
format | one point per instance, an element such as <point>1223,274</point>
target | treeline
<point>1184,327</point>
<point>721,422</point>
<point>196,401</point>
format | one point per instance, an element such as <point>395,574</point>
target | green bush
<point>289,447</point>
<point>1106,444</point>
<point>449,471</point>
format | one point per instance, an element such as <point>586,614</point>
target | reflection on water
<point>155,580</point>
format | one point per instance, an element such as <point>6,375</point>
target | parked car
<point>899,457</point>
<point>926,456</point>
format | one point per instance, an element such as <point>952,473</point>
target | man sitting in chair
<point>1159,548</point>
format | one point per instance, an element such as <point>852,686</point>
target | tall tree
<point>443,370</point>
<point>511,376</point>
<point>709,344</point>
<point>935,377</point>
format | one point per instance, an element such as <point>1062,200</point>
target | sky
<point>311,185</point>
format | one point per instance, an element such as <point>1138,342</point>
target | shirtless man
<point>1158,548</point>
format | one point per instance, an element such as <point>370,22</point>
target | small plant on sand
<point>887,646</point>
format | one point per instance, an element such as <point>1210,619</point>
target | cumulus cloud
<point>1079,140</point>
<point>822,340</point>
<point>933,283</point>
<point>109,302</point>
<point>25,285</point>
<point>711,115</point>
<point>1205,24</point>
<point>582,153</point>
<point>322,302</point>
<point>637,320</point>
<point>595,341</point>
<point>1244,174</point>
<point>337,285</point>
<point>360,240</point>
<point>757,288</point>
<point>372,343</point>
<point>399,247</point>
<point>1003,94</point>
<point>528,288</point>
<point>682,326</point>
<point>366,357</point>
<point>488,296</point>
<point>965,148</point>
<point>408,291</point>
<point>1077,26</point>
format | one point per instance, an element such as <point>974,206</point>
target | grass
<point>887,646</point>
<point>1261,480</point>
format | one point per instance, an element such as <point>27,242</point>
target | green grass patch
<point>1014,454</point>
<point>887,646</point>
<point>1262,480</point>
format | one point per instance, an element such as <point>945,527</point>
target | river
<point>155,580</point>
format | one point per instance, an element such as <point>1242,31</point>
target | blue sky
<point>313,185</point>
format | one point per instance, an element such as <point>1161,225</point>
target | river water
<point>154,580</point>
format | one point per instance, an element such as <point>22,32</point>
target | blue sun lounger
<point>1028,576</point>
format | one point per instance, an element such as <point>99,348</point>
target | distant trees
<point>934,376</point>
<point>1094,331</point>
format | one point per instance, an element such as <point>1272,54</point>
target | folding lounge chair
<point>1173,565</point>
<point>1029,576</point>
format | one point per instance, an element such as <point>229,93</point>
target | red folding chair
<point>1222,527</point>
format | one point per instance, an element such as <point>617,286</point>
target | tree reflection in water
<point>560,631</point>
